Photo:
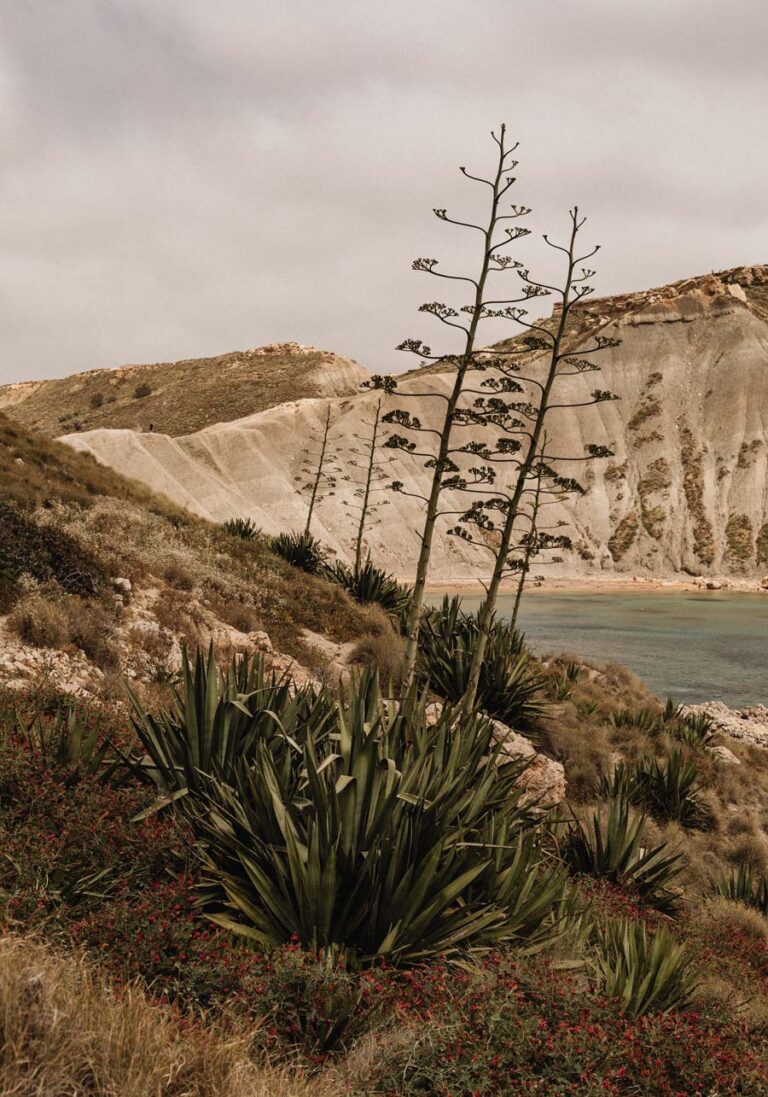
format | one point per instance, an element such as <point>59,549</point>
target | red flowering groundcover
<point>75,868</point>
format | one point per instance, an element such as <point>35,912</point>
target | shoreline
<point>604,585</point>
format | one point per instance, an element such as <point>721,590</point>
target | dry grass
<point>63,1033</point>
<point>34,470</point>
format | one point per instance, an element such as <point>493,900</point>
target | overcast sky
<point>182,177</point>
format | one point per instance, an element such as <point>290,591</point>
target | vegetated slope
<point>180,397</point>
<point>70,527</point>
<point>686,492</point>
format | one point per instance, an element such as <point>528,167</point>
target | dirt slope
<point>181,397</point>
<point>686,492</point>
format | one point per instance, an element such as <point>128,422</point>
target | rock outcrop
<point>750,725</point>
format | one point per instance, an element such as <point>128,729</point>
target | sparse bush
<point>97,400</point>
<point>622,538</point>
<point>385,652</point>
<point>302,550</point>
<point>646,974</point>
<point>142,390</point>
<point>609,843</point>
<point>56,621</point>
<point>177,576</point>
<point>90,629</point>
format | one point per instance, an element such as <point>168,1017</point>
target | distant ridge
<point>184,396</point>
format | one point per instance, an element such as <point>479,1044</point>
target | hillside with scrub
<point>274,822</point>
<point>298,885</point>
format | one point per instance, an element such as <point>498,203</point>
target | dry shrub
<point>584,749</point>
<point>735,918</point>
<point>385,651</point>
<point>63,1032</point>
<point>179,577</point>
<point>751,851</point>
<point>238,615</point>
<point>57,621</point>
<point>174,611</point>
<point>40,622</point>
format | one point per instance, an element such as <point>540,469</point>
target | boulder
<point>724,755</point>
<point>544,779</point>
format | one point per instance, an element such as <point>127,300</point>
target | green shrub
<point>509,689</point>
<point>383,836</point>
<point>744,886</point>
<point>609,844</point>
<point>300,549</point>
<point>370,584</point>
<point>244,528</point>
<point>668,788</point>
<point>142,390</point>
<point>646,974</point>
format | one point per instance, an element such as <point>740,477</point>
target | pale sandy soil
<point>605,585</point>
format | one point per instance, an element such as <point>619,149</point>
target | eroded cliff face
<point>687,491</point>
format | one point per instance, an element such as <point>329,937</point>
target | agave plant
<point>388,837</point>
<point>645,974</point>
<point>694,729</point>
<point>510,689</point>
<point>370,584</point>
<point>609,844</point>
<point>217,719</point>
<point>244,528</point>
<point>668,789</point>
<point>300,549</point>
<point>641,719</point>
<point>744,886</point>
<point>64,741</point>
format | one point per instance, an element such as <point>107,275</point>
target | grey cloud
<point>183,178</point>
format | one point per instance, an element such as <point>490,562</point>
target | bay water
<point>690,646</point>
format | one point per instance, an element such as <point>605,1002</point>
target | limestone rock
<point>724,755</point>
<point>749,725</point>
<point>544,779</point>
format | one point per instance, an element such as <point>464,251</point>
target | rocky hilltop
<point>686,493</point>
<point>181,397</point>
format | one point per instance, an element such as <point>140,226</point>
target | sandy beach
<point>638,584</point>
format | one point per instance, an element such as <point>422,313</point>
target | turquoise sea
<point>692,647</point>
